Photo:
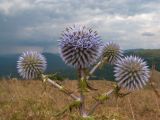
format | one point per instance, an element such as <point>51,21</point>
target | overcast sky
<point>37,24</point>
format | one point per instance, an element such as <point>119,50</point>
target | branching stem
<point>61,88</point>
<point>96,67</point>
<point>99,102</point>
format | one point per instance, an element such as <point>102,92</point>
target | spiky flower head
<point>31,64</point>
<point>79,46</point>
<point>111,52</point>
<point>131,72</point>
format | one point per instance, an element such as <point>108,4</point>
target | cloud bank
<point>37,24</point>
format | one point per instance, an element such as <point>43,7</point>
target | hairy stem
<point>82,107</point>
<point>130,105</point>
<point>61,88</point>
<point>82,77</point>
<point>96,67</point>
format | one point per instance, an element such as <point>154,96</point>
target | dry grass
<point>29,100</point>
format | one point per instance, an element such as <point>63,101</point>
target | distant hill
<point>152,56</point>
<point>55,64</point>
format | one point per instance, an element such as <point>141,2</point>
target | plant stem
<point>93,108</point>
<point>155,90</point>
<point>151,83</point>
<point>96,67</point>
<point>130,105</point>
<point>61,88</point>
<point>82,107</point>
<point>82,77</point>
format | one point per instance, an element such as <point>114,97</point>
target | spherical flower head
<point>31,64</point>
<point>79,46</point>
<point>132,73</point>
<point>111,52</point>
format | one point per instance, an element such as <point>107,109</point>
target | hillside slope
<point>55,64</point>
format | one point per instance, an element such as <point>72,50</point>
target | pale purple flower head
<point>132,73</point>
<point>31,64</point>
<point>80,46</point>
<point>111,52</point>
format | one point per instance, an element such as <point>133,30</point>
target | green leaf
<point>87,118</point>
<point>70,107</point>
<point>55,76</point>
<point>102,98</point>
<point>83,85</point>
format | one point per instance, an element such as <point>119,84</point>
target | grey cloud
<point>148,34</point>
<point>29,23</point>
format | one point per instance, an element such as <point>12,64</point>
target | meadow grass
<point>32,100</point>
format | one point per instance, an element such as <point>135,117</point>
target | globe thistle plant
<point>31,64</point>
<point>111,52</point>
<point>79,46</point>
<point>131,72</point>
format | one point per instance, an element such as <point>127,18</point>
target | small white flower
<point>31,64</point>
<point>131,73</point>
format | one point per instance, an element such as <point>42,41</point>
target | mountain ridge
<point>55,64</point>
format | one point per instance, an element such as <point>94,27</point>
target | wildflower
<point>131,72</point>
<point>31,64</point>
<point>79,46</point>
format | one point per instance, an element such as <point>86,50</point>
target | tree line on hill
<point>56,65</point>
